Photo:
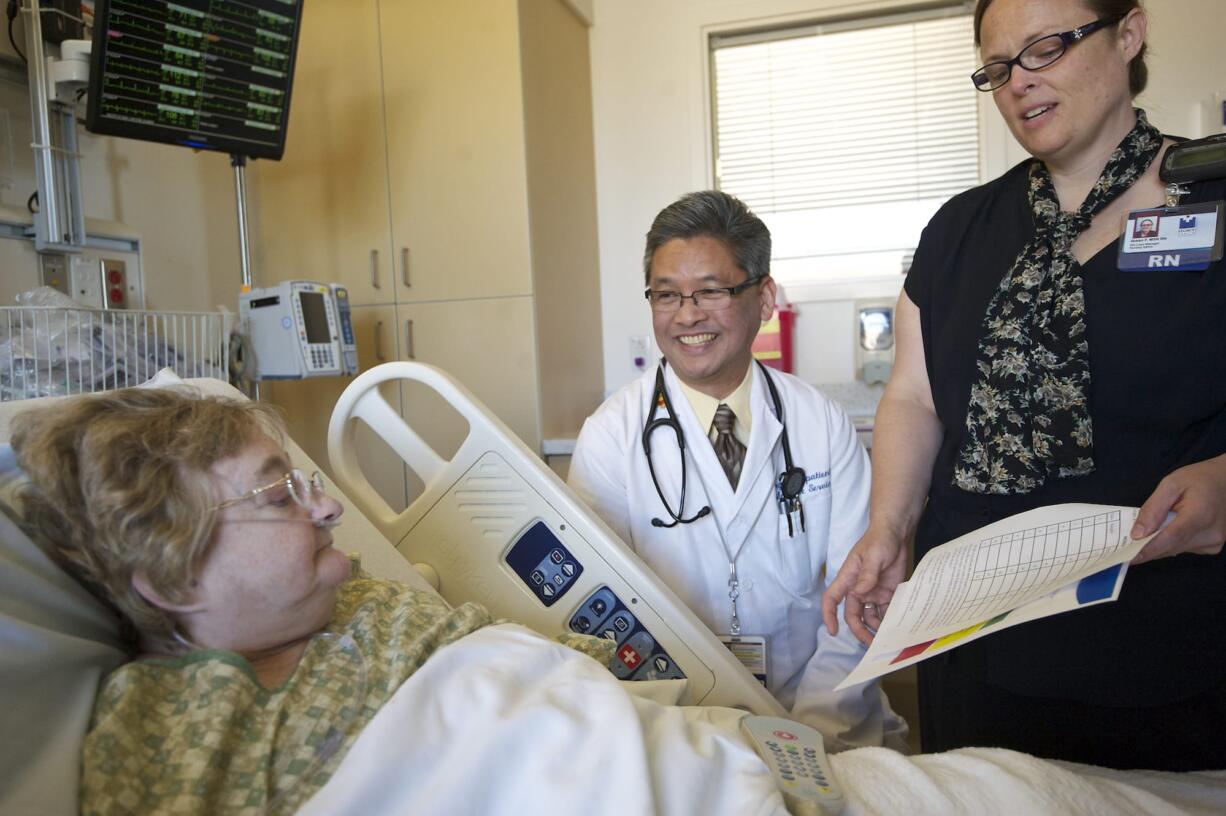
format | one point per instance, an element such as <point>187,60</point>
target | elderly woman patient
<point>259,658</point>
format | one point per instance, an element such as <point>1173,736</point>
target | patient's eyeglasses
<point>300,488</point>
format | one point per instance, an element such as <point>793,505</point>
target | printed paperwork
<point>1038,563</point>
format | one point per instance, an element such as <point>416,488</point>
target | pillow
<point>57,642</point>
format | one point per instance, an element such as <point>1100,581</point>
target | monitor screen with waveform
<point>210,74</point>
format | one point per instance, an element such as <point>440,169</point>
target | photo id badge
<point>750,650</point>
<point>1186,238</point>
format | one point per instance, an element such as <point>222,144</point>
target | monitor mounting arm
<point>59,223</point>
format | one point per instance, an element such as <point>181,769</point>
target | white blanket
<point>506,722</point>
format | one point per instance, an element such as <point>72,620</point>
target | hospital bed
<point>496,526</point>
<point>504,720</point>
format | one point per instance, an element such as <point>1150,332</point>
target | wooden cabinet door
<point>321,212</point>
<point>488,346</point>
<point>307,406</point>
<point>456,161</point>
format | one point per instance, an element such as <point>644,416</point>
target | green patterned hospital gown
<point>197,734</point>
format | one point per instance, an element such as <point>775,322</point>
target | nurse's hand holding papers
<point>1196,494</point>
<point>1028,566</point>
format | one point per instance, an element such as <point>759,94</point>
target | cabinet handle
<point>374,268</point>
<point>408,340</point>
<point>379,342</point>
<point>404,267</point>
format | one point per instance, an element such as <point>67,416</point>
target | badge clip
<point>1174,192</point>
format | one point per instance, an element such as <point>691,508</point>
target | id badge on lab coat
<point>751,651</point>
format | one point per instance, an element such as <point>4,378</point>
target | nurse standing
<point>685,464</point>
<point>1032,371</point>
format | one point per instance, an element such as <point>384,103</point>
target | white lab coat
<point>781,578</point>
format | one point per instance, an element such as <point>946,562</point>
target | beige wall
<point>562,203</point>
<point>650,98</point>
<point>182,205</point>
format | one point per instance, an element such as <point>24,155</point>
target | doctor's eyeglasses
<point>1038,54</point>
<point>298,487</point>
<point>710,300</point>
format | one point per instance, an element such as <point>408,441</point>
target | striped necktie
<point>728,449</point>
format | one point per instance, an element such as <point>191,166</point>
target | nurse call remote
<point>796,755</point>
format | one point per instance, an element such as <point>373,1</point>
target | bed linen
<point>504,721</point>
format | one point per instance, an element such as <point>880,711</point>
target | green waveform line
<point>140,48</point>
<point>152,9</point>
<point>117,85</point>
<point>114,107</point>
<point>231,30</point>
<point>234,10</point>
<point>130,67</point>
<point>232,53</point>
<point>221,106</point>
<point>139,26</point>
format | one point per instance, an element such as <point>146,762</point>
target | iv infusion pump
<point>299,329</point>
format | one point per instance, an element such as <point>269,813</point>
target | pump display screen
<point>315,317</point>
<point>211,74</point>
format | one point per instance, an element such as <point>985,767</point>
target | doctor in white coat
<point>748,566</point>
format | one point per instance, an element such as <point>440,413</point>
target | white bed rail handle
<point>362,400</point>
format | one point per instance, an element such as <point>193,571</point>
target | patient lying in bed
<point>268,679</point>
<point>260,658</point>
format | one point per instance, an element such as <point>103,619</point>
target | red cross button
<point>629,656</point>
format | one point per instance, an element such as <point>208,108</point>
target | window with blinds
<point>846,138</point>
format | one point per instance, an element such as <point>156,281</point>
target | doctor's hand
<point>873,570</point>
<point>1196,494</point>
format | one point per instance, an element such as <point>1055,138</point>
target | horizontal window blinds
<point>858,116</point>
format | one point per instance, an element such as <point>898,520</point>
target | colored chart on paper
<point>1029,566</point>
<point>940,643</point>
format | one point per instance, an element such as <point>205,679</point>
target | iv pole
<point>239,163</point>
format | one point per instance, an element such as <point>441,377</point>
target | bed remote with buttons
<point>796,755</point>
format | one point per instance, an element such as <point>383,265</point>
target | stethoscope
<point>789,483</point>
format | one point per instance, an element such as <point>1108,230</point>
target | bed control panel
<point>796,755</point>
<point>638,655</point>
<point>544,564</point>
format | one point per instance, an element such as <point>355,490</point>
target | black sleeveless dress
<point>1139,683</point>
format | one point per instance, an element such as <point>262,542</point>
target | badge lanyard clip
<point>1174,192</point>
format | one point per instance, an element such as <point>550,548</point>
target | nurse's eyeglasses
<point>1038,54</point>
<point>711,299</point>
<point>299,487</point>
